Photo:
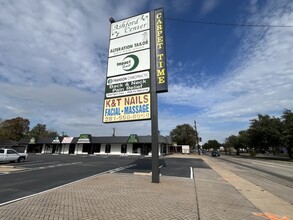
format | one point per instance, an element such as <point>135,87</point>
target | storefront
<point>35,145</point>
<point>67,146</point>
<point>87,144</point>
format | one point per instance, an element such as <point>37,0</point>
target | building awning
<point>67,140</point>
<point>8,143</point>
<point>56,140</point>
<point>84,139</point>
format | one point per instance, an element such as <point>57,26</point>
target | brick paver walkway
<point>110,196</point>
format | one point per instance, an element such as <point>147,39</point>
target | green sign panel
<point>133,138</point>
<point>84,136</point>
<point>32,140</point>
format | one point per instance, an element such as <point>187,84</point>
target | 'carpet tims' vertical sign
<point>161,67</point>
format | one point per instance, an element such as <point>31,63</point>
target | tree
<point>231,142</point>
<point>287,121</point>
<point>241,141</point>
<point>211,144</point>
<point>52,133</point>
<point>184,134</point>
<point>14,129</point>
<point>266,132</point>
<point>40,131</point>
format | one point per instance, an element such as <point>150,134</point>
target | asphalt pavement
<point>213,193</point>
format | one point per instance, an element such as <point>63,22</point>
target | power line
<point>229,24</point>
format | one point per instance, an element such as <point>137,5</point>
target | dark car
<point>215,153</point>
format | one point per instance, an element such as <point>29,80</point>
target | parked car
<point>215,153</point>
<point>10,155</point>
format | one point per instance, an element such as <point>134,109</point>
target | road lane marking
<point>191,173</point>
<point>27,169</point>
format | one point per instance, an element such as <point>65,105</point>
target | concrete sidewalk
<point>128,196</point>
<point>9,168</point>
<point>270,205</point>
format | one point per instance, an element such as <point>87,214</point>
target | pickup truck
<point>10,155</point>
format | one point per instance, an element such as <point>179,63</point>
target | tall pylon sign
<point>136,72</point>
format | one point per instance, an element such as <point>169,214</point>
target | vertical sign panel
<point>128,84</point>
<point>161,67</point>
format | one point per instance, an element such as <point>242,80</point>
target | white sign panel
<point>128,78</point>
<point>130,84</point>
<point>130,25</point>
<point>129,63</point>
<point>67,140</point>
<point>129,44</point>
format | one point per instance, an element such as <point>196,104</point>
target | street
<point>273,176</point>
<point>44,172</point>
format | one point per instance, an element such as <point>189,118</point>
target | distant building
<point>87,144</point>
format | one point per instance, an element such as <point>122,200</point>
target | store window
<point>86,148</point>
<point>123,148</point>
<point>96,148</point>
<point>136,148</point>
<point>108,148</point>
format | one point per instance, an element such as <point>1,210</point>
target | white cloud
<point>258,81</point>
<point>208,6</point>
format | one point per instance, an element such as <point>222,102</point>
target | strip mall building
<point>87,144</point>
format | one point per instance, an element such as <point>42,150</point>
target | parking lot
<point>43,172</point>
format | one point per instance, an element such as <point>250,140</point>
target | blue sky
<point>53,57</point>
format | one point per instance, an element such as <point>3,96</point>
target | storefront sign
<point>32,140</point>
<point>130,84</point>
<point>56,140</point>
<point>133,138</point>
<point>128,63</point>
<point>127,108</point>
<point>129,44</point>
<point>130,26</point>
<point>67,140</point>
<point>84,139</point>
<point>161,70</point>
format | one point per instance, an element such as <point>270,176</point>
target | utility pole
<point>197,140</point>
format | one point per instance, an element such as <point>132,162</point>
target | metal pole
<point>154,104</point>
